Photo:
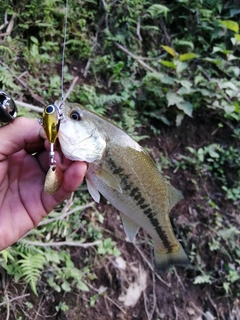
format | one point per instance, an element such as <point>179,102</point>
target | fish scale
<point>146,202</point>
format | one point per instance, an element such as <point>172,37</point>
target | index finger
<point>22,133</point>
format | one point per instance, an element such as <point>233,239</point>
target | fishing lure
<point>8,108</point>
<point>50,122</point>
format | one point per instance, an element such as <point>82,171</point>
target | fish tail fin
<point>163,261</point>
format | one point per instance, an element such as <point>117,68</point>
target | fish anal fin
<point>130,227</point>
<point>163,261</point>
<point>174,195</point>
<point>108,179</point>
<point>93,190</point>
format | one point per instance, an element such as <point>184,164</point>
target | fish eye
<point>75,115</point>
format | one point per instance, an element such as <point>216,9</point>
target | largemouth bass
<point>124,173</point>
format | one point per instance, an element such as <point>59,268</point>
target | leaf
<point>234,12</point>
<point>169,50</point>
<point>216,61</point>
<point>31,267</point>
<point>179,118</point>
<point>187,56</point>
<point>181,66</point>
<point>200,154</point>
<point>229,232</point>
<point>158,76</point>
<point>231,93</point>
<point>165,120</point>
<point>237,36</point>
<point>231,25</point>
<point>213,154</point>
<point>6,49</point>
<point>184,90</point>
<point>206,278</point>
<point>219,49</point>
<point>156,10</point>
<point>234,70</point>
<point>233,276</point>
<point>82,286</point>
<point>227,85</point>
<point>187,107</point>
<point>34,40</point>
<point>231,57</point>
<point>173,98</point>
<point>6,254</point>
<point>66,286</point>
<point>184,43</point>
<point>168,64</point>
<point>226,286</point>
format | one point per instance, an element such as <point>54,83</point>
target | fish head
<point>80,136</point>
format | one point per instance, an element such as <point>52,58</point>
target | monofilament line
<point>64,45</point>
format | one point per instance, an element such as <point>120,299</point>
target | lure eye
<point>75,115</point>
<point>50,109</point>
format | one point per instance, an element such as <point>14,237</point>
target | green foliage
<point>31,266</point>
<point>108,247</point>
<point>205,278</point>
<point>140,63</point>
<point>201,72</point>
<point>54,266</point>
<point>223,165</point>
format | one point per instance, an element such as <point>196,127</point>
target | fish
<point>125,174</point>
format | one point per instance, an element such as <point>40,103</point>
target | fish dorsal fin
<point>93,190</point>
<point>108,179</point>
<point>130,227</point>
<point>174,195</point>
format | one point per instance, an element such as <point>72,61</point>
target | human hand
<point>23,201</point>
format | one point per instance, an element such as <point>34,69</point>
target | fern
<point>105,99</point>
<point>7,79</point>
<point>156,10</point>
<point>31,267</point>
<point>120,38</point>
<point>213,147</point>
<point>98,103</point>
<point>4,49</point>
<point>205,278</point>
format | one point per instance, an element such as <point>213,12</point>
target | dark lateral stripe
<point>135,194</point>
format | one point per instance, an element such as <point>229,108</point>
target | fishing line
<point>51,118</point>
<point>64,46</point>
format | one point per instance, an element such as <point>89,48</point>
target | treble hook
<point>8,108</point>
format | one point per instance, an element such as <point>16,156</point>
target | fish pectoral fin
<point>174,195</point>
<point>130,227</point>
<point>164,260</point>
<point>108,179</point>
<point>93,190</point>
